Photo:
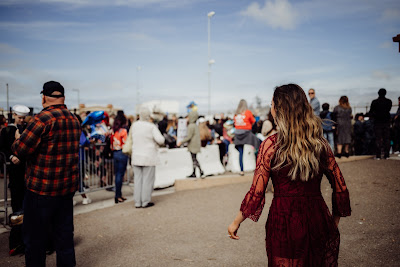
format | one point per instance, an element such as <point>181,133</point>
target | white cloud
<point>77,32</point>
<point>39,25</point>
<point>391,14</point>
<point>380,75</point>
<point>275,13</point>
<point>386,45</point>
<point>104,3</point>
<point>8,49</point>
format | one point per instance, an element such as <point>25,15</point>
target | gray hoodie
<point>193,134</point>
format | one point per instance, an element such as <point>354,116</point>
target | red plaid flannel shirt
<point>50,144</point>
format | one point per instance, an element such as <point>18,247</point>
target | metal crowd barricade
<point>3,165</point>
<point>96,168</point>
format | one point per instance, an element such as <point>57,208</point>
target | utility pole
<point>138,69</point>
<point>8,105</point>
<point>210,61</point>
<point>9,114</point>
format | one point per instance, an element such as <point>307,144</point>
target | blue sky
<point>338,47</point>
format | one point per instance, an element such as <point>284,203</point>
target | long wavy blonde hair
<point>300,137</point>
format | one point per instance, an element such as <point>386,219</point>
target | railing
<point>96,172</point>
<point>96,168</point>
<point>366,108</point>
<point>4,200</point>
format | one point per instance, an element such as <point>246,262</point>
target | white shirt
<point>145,141</point>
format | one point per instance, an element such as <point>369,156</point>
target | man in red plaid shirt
<point>50,145</point>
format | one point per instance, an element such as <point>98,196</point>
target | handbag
<point>127,148</point>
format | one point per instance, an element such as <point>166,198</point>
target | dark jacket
<point>380,110</point>
<point>7,138</point>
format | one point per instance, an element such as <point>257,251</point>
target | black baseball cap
<point>50,87</point>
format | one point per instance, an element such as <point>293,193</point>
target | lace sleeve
<point>340,194</point>
<point>253,202</point>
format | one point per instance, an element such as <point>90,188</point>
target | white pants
<point>144,177</point>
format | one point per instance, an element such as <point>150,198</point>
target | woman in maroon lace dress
<point>300,230</point>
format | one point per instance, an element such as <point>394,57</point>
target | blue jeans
<point>227,143</point>
<point>120,162</point>
<point>330,137</point>
<point>47,219</point>
<point>240,149</point>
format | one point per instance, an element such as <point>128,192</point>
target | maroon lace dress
<point>300,231</point>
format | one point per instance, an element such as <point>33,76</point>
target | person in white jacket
<point>146,139</point>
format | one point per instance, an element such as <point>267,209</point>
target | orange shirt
<point>119,139</point>
<point>245,120</point>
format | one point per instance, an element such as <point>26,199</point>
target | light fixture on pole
<point>210,61</point>
<point>79,100</point>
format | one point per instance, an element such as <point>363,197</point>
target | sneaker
<point>377,158</point>
<point>86,201</point>
<point>241,173</point>
<point>150,204</point>
<point>193,175</point>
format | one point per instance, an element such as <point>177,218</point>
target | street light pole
<point>8,105</point>
<point>210,61</point>
<point>138,69</point>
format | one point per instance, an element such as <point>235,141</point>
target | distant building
<point>110,109</point>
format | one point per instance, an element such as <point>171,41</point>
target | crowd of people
<point>47,158</point>
<point>377,132</point>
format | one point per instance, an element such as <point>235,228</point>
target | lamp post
<point>138,69</point>
<point>210,61</point>
<point>8,105</point>
<point>79,101</point>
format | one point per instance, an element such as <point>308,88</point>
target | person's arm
<point>314,104</point>
<point>157,136</point>
<point>252,120</point>
<point>372,109</point>
<point>190,134</point>
<point>171,131</point>
<point>83,141</point>
<point>29,140</point>
<point>124,136</point>
<point>254,201</point>
<point>340,195</point>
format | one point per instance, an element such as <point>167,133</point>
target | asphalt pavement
<point>189,228</point>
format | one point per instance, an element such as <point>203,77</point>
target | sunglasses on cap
<point>51,95</point>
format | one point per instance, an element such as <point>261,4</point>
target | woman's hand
<point>336,219</point>
<point>232,230</point>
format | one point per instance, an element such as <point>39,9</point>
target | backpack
<point>327,123</point>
